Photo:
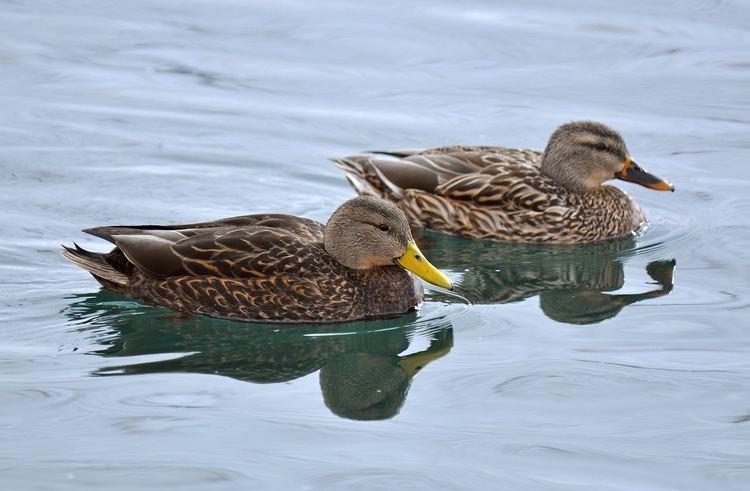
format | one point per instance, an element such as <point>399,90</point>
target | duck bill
<point>413,260</point>
<point>633,172</point>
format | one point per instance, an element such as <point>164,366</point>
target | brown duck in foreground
<point>512,194</point>
<point>270,268</point>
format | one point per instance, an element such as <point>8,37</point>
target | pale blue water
<point>616,367</point>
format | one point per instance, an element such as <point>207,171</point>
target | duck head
<point>367,232</point>
<point>582,155</point>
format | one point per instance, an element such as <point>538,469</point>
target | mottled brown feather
<point>493,193</point>
<point>264,268</point>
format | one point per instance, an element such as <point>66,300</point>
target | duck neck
<point>391,290</point>
<point>563,175</point>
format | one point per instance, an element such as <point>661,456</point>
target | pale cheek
<point>593,182</point>
<point>374,262</point>
<point>598,178</point>
<point>366,264</point>
<point>381,252</point>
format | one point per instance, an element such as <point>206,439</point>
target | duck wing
<point>302,227</point>
<point>240,247</point>
<point>508,184</point>
<point>249,252</point>
<point>490,176</point>
<point>388,174</point>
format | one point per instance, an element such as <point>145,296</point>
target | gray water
<point>615,367</point>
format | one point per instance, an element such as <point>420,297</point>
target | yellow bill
<point>413,260</point>
<point>415,362</point>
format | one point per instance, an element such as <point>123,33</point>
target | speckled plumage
<point>507,194</point>
<point>495,193</point>
<point>265,268</point>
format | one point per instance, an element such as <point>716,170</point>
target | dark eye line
<point>602,147</point>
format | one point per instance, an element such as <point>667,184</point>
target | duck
<point>270,268</point>
<point>511,194</point>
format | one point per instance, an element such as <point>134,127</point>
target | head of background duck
<point>367,232</point>
<point>582,155</point>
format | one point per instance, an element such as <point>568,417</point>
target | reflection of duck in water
<point>362,374</point>
<point>571,281</point>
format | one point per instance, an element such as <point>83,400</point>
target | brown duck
<point>270,268</point>
<point>511,194</point>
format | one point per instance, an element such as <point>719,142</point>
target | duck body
<point>510,194</point>
<point>262,268</point>
<point>494,193</point>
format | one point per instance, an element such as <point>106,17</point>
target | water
<point>614,367</point>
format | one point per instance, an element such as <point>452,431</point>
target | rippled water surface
<point>611,367</point>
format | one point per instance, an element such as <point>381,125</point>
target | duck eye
<point>601,147</point>
<point>383,227</point>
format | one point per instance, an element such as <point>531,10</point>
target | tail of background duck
<point>100,265</point>
<point>362,176</point>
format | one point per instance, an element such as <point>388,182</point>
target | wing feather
<point>251,252</point>
<point>253,246</point>
<point>303,227</point>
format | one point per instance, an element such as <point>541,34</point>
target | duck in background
<point>509,194</point>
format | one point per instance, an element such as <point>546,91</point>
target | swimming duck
<point>510,194</point>
<point>270,268</point>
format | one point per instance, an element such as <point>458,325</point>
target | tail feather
<point>356,174</point>
<point>96,264</point>
<point>367,178</point>
<point>387,177</point>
